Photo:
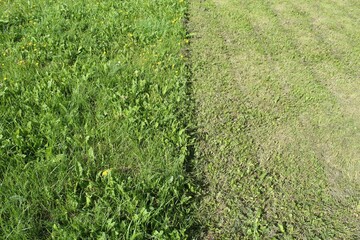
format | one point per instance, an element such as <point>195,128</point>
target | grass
<point>94,122</point>
<point>274,87</point>
<point>96,116</point>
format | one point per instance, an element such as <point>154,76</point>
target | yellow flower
<point>105,172</point>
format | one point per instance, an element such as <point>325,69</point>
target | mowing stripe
<point>278,134</point>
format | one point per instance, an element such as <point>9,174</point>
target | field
<point>94,120</point>
<point>174,119</point>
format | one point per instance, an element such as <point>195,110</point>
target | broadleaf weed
<point>91,128</point>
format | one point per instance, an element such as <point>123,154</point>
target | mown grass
<point>94,116</point>
<point>275,90</point>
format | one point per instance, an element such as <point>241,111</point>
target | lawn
<point>174,119</point>
<point>276,92</point>
<point>94,120</point>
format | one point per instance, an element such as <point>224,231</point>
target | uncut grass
<point>93,119</point>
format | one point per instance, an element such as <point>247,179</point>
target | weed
<point>94,112</point>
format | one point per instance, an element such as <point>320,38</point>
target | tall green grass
<point>93,120</point>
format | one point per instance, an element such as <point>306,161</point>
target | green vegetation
<point>276,96</point>
<point>94,116</point>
